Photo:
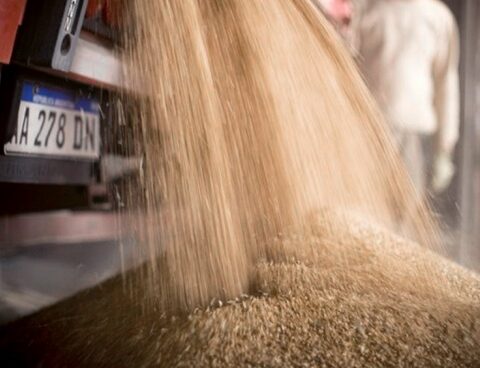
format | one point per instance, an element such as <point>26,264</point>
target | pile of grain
<point>251,116</point>
<point>384,303</point>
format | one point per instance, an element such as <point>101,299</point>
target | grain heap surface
<point>384,303</point>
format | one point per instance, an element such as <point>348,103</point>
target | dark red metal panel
<point>110,11</point>
<point>11,13</point>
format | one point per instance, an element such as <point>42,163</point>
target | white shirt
<point>408,51</point>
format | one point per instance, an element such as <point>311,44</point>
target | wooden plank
<point>94,63</point>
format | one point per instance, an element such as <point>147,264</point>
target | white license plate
<point>55,122</point>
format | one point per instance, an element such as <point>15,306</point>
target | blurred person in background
<point>408,51</point>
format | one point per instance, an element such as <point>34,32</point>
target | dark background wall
<point>463,198</point>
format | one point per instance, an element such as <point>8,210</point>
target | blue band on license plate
<point>55,122</point>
